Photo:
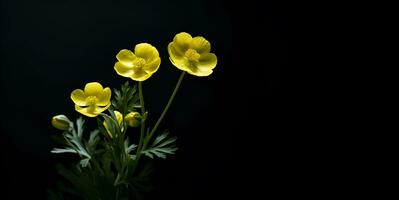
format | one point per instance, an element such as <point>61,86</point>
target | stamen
<point>192,55</point>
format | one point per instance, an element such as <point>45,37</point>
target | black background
<point>49,48</point>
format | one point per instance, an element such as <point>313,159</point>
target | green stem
<point>167,105</point>
<point>142,126</point>
<point>148,138</point>
<point>117,193</point>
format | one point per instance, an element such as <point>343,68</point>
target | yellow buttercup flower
<point>133,119</point>
<point>139,65</point>
<point>192,54</point>
<point>93,100</point>
<point>119,119</point>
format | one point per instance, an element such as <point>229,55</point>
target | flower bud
<point>133,119</point>
<point>61,122</point>
<point>119,119</point>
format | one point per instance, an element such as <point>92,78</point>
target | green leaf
<point>101,127</point>
<point>112,124</point>
<point>80,126</point>
<point>51,195</point>
<point>93,141</point>
<point>126,99</point>
<point>131,148</point>
<point>84,162</point>
<point>75,143</point>
<point>93,137</point>
<point>162,146</point>
<point>81,180</point>
<point>128,148</point>
<point>66,150</point>
<point>141,181</point>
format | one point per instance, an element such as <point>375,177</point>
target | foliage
<point>107,167</point>
<point>161,147</point>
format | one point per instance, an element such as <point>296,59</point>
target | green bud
<point>61,122</point>
<point>133,119</point>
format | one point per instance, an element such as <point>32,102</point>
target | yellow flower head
<point>61,122</point>
<point>139,65</point>
<point>93,100</point>
<point>133,119</point>
<point>192,54</point>
<point>119,119</point>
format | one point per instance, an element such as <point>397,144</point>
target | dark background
<point>49,48</point>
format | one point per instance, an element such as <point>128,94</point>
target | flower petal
<point>199,72</point>
<point>78,97</point>
<point>91,111</point>
<point>182,65</point>
<point>119,117</point>
<point>123,70</point>
<point>200,44</point>
<point>99,110</point>
<point>105,97</point>
<point>140,75</point>
<point>153,66</point>
<point>126,57</point>
<point>175,54</point>
<point>146,51</point>
<point>207,61</point>
<point>87,111</point>
<point>191,68</point>
<point>182,41</point>
<point>93,89</point>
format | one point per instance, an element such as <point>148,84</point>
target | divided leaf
<point>162,146</point>
<point>127,99</point>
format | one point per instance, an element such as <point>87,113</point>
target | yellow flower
<point>133,119</point>
<point>61,122</point>
<point>192,54</point>
<point>119,119</point>
<point>93,100</point>
<point>139,65</point>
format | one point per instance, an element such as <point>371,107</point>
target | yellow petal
<point>191,68</point>
<point>123,70</point>
<point>126,57</point>
<point>153,66</point>
<point>182,65</point>
<point>146,51</point>
<point>118,116</point>
<point>200,44</point>
<point>105,97</point>
<point>175,54</point>
<point>87,111</point>
<point>99,110</point>
<point>140,75</point>
<point>182,41</point>
<point>200,72</point>
<point>207,61</point>
<point>78,97</point>
<point>93,89</point>
<point>106,128</point>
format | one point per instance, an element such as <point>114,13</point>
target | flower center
<point>192,55</point>
<point>139,63</point>
<point>91,100</point>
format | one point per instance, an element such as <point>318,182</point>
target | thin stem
<point>148,138</point>
<point>142,128</point>
<point>167,105</point>
<point>117,193</point>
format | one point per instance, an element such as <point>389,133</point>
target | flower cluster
<point>187,53</point>
<point>190,54</point>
